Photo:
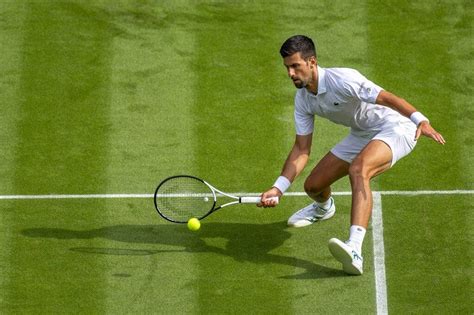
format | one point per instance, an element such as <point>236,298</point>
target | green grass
<point>113,96</point>
<point>429,259</point>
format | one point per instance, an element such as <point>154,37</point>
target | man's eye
<point>293,66</point>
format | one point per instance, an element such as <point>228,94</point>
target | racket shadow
<point>242,242</point>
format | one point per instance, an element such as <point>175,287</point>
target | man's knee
<point>356,170</point>
<point>311,187</point>
<point>360,170</point>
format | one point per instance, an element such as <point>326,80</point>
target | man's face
<point>299,69</point>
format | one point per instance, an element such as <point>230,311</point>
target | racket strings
<point>182,198</point>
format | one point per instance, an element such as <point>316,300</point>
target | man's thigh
<point>328,170</point>
<point>373,160</point>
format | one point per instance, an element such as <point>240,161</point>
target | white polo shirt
<point>345,97</point>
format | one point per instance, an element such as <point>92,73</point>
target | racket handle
<point>255,199</point>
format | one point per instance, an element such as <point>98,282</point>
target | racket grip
<point>255,199</point>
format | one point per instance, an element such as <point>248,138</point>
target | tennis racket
<point>179,198</point>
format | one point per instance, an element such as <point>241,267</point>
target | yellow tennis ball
<point>194,224</point>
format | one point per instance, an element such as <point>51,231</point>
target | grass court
<point>110,97</point>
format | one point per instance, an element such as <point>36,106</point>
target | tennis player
<point>383,129</point>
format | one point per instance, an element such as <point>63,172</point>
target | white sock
<point>356,237</point>
<point>325,205</point>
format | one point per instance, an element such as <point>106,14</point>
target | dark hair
<point>298,43</point>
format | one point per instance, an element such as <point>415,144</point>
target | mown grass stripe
<point>236,89</point>
<point>11,22</point>
<point>61,146</point>
<point>152,135</point>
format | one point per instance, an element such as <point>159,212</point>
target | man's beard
<point>299,84</point>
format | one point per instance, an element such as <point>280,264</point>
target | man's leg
<point>373,160</point>
<point>327,171</point>
<point>318,187</point>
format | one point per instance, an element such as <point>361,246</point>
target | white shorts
<point>399,136</point>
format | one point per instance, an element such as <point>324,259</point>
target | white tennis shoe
<point>352,261</point>
<point>310,214</point>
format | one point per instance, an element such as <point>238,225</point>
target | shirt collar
<point>321,80</point>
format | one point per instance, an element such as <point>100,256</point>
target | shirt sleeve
<point>358,86</point>
<point>304,120</point>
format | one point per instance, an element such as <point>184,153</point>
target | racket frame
<point>213,190</point>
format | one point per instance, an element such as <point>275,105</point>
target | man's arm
<point>294,165</point>
<point>298,157</point>
<point>406,109</point>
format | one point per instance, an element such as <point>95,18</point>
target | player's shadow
<point>242,242</point>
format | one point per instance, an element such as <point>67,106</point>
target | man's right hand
<point>267,202</point>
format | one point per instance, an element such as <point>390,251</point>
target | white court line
<point>77,196</point>
<point>379,255</point>
<point>243,194</point>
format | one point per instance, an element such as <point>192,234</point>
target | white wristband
<point>417,118</point>
<point>282,183</point>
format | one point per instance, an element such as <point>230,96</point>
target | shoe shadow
<point>243,242</point>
